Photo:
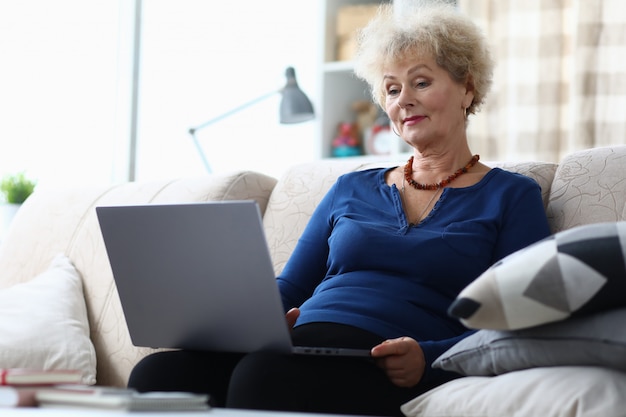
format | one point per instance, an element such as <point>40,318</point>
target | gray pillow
<point>596,340</point>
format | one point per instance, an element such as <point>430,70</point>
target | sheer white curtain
<point>58,89</point>
<point>560,81</point>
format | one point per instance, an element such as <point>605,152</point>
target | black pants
<point>270,381</point>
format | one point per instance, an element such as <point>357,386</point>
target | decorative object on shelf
<point>366,115</point>
<point>348,141</point>
<point>380,139</point>
<point>14,190</point>
<point>295,107</point>
<point>350,19</point>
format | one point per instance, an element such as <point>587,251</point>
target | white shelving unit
<point>339,86</point>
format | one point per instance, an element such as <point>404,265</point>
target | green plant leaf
<point>16,188</point>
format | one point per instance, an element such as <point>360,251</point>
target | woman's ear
<point>469,92</point>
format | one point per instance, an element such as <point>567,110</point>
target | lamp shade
<point>295,106</point>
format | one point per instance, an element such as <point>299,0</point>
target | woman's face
<point>424,103</point>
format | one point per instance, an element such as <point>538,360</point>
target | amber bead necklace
<point>408,175</point>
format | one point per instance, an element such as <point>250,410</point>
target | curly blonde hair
<point>436,28</point>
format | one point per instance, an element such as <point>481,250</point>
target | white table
<point>215,412</point>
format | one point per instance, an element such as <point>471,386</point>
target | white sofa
<point>585,187</point>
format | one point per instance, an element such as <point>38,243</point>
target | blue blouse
<point>359,262</point>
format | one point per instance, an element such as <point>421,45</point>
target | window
<point>66,78</point>
<point>203,58</point>
<point>58,89</point>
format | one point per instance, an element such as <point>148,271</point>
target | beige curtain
<point>560,79</point>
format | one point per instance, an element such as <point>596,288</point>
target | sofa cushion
<point>574,272</point>
<point>591,340</point>
<point>43,323</point>
<point>546,392</point>
<point>541,172</point>
<point>589,187</point>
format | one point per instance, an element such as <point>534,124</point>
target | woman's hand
<point>292,315</point>
<point>402,360</point>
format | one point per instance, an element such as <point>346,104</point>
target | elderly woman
<point>388,249</point>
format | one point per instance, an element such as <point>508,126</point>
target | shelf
<point>338,66</point>
<point>340,87</point>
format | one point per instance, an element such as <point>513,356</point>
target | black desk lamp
<point>295,107</point>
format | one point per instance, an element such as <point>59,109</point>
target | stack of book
<point>64,389</point>
<point>120,399</point>
<point>18,387</point>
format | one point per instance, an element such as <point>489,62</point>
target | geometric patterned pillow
<point>571,273</point>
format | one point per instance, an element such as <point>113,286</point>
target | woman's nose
<point>405,99</point>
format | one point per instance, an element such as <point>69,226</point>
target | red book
<point>21,377</point>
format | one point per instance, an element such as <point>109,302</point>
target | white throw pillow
<point>43,323</point>
<point>537,392</point>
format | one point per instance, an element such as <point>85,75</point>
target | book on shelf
<point>120,399</point>
<point>24,376</point>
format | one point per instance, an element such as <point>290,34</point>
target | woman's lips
<point>410,121</point>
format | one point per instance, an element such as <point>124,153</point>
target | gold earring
<point>465,113</point>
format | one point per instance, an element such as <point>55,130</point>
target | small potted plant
<point>14,190</point>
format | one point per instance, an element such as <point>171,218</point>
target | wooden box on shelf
<point>350,19</point>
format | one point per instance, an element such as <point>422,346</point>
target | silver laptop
<point>198,276</point>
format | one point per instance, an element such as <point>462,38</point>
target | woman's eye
<point>422,84</point>
<point>393,91</point>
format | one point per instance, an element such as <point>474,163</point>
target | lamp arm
<point>233,111</point>
<point>205,161</point>
<point>193,130</point>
